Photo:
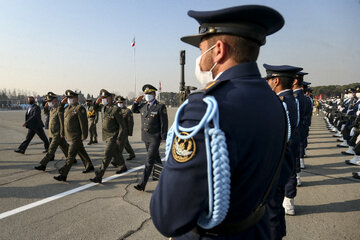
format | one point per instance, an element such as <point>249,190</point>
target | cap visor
<point>193,40</point>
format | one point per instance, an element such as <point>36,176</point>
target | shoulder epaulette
<point>281,98</point>
<point>212,85</point>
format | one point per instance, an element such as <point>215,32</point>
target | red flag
<point>133,42</point>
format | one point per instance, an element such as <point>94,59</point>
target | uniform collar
<point>242,70</point>
<point>285,92</point>
<point>152,102</point>
<point>298,89</point>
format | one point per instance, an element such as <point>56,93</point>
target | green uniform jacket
<point>75,122</point>
<point>129,120</point>
<point>92,113</point>
<point>113,123</point>
<point>56,122</point>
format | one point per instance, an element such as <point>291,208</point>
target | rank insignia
<point>183,150</point>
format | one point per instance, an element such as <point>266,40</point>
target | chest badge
<point>183,150</point>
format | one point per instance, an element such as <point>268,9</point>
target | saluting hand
<point>139,98</point>
<point>64,100</point>
<point>98,100</point>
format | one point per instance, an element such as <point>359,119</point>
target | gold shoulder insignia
<point>282,98</point>
<point>295,95</point>
<point>183,150</point>
<point>210,85</point>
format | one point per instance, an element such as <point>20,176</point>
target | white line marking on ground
<point>60,195</point>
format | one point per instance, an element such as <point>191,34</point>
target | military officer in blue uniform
<point>295,180</point>
<point>308,117</point>
<point>229,40</point>
<point>154,126</point>
<point>280,79</point>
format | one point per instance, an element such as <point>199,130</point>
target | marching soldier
<point>76,131</point>
<point>129,125</point>
<point>113,133</point>
<point>93,117</point>
<point>182,205</point>
<point>56,130</point>
<point>154,126</point>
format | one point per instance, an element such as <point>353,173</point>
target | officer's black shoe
<point>139,188</point>
<point>52,159</point>
<point>75,161</point>
<point>89,143</point>
<point>121,171</point>
<point>40,167</point>
<point>155,179</point>
<point>45,151</point>
<point>60,178</point>
<point>356,175</point>
<point>19,151</point>
<point>114,164</point>
<point>130,158</point>
<point>96,180</point>
<point>95,141</point>
<point>90,169</point>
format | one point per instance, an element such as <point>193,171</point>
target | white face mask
<point>50,104</point>
<point>120,105</point>
<point>204,77</point>
<point>149,97</point>
<point>358,95</point>
<point>70,101</point>
<point>104,101</point>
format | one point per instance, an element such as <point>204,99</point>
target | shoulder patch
<point>282,98</point>
<point>183,150</point>
<point>295,95</point>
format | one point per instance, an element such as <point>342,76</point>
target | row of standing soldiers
<point>342,118</point>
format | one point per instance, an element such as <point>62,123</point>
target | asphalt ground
<point>327,205</point>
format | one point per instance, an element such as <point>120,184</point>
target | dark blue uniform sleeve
<point>163,121</point>
<point>182,194</point>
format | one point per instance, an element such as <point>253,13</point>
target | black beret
<point>253,22</point>
<point>281,71</point>
<point>148,88</point>
<point>70,93</point>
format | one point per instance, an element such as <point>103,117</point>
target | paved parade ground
<point>35,206</point>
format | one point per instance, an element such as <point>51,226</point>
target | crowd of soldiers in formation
<point>342,116</point>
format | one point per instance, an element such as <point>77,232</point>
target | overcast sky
<point>85,44</point>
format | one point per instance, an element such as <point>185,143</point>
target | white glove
<point>352,132</point>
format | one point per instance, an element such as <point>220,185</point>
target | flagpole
<point>135,69</point>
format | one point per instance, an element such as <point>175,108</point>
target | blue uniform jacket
<point>253,119</point>
<point>289,159</point>
<point>303,110</point>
